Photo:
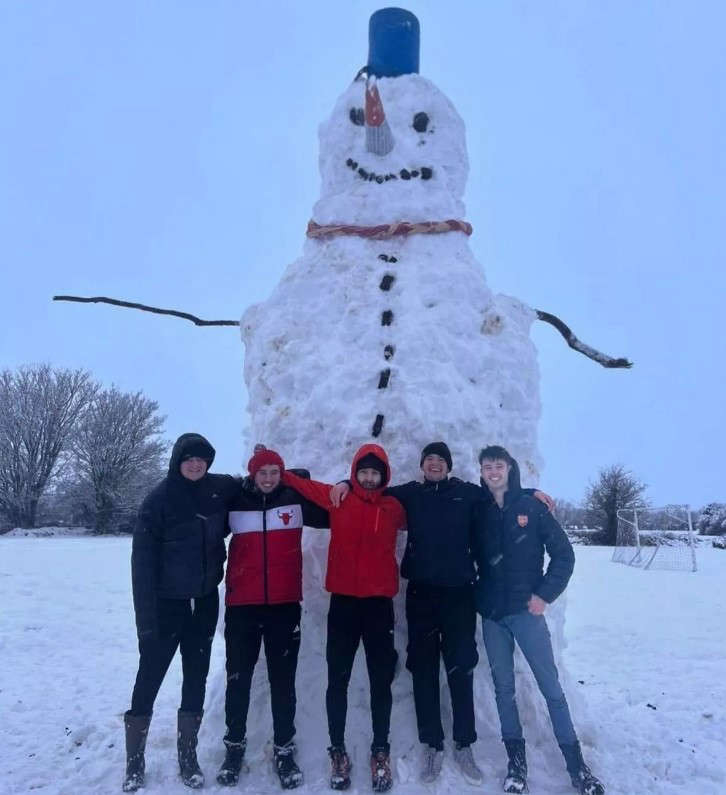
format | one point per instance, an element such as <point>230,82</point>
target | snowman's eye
<point>357,116</point>
<point>420,121</point>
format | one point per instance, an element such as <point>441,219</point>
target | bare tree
<point>116,451</point>
<point>39,408</point>
<point>614,489</point>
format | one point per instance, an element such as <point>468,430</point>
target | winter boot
<point>464,758</point>
<point>137,728</point>
<point>340,766</point>
<point>234,756</point>
<point>516,780</point>
<point>382,777</point>
<point>289,773</point>
<point>582,779</point>
<point>431,762</point>
<point>188,724</point>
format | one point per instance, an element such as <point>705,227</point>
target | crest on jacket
<point>522,520</point>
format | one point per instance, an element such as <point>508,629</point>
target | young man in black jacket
<point>177,561</point>
<point>513,592</point>
<point>440,609</point>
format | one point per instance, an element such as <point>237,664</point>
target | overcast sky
<point>166,152</point>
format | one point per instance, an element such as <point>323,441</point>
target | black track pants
<point>188,624</point>
<point>442,623</point>
<point>350,620</point>
<point>245,628</point>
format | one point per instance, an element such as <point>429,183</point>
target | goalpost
<point>656,538</point>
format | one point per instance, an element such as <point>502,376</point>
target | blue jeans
<point>533,638</point>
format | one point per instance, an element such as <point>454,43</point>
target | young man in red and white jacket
<point>264,589</point>
<point>362,577</point>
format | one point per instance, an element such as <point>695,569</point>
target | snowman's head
<point>415,170</point>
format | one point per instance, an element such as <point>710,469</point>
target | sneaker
<point>464,758</point>
<point>431,762</point>
<point>286,767</point>
<point>229,772</point>
<point>381,775</point>
<point>340,766</point>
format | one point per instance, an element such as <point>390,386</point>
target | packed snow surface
<point>645,652</point>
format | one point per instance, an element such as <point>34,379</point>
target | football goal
<point>656,538</point>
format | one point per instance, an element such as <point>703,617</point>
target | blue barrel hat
<point>393,43</point>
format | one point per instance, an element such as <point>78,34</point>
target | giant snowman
<point>385,330</point>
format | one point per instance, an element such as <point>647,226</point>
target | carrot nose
<point>379,138</point>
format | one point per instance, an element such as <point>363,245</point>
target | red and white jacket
<point>362,552</point>
<point>265,553</point>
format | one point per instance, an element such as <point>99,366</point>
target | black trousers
<point>188,624</point>
<point>442,623</point>
<point>350,620</point>
<point>245,628</point>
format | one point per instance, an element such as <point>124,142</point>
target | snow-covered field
<point>646,651</point>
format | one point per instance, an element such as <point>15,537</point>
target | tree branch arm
<point>576,344</point>
<point>99,299</point>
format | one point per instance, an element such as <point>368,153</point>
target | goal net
<point>656,538</point>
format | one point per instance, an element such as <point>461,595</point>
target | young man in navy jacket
<point>512,594</point>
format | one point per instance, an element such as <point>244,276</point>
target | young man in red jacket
<point>264,589</point>
<point>362,577</point>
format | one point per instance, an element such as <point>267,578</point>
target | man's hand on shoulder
<point>338,493</point>
<point>546,499</point>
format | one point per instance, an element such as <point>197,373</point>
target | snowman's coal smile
<point>424,172</point>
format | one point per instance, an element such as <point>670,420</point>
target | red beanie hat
<point>264,458</point>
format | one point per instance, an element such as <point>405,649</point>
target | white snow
<point>634,638</point>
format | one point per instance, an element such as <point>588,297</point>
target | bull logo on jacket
<point>522,520</point>
<point>285,516</point>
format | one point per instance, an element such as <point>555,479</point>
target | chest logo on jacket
<point>522,520</point>
<point>285,516</point>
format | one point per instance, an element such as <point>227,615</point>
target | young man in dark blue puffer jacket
<point>512,594</point>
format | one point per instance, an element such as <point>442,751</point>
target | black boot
<point>289,773</point>
<point>228,774</point>
<point>516,780</point>
<point>137,728</point>
<point>186,744</point>
<point>582,779</point>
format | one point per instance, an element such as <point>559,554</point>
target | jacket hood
<point>514,484</point>
<point>380,454</point>
<point>186,442</point>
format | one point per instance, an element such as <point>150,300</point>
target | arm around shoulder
<point>313,490</point>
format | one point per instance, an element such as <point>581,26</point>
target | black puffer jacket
<point>509,548</point>
<point>440,517</point>
<point>178,546</point>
